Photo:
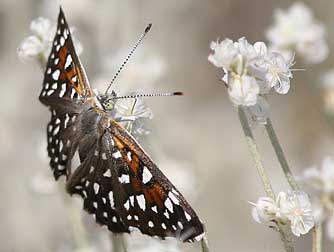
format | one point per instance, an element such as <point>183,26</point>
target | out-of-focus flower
<point>134,112</point>
<point>38,45</point>
<point>145,244</point>
<point>321,183</point>
<point>250,72</point>
<point>291,207</point>
<point>144,72</point>
<point>327,83</point>
<point>296,29</point>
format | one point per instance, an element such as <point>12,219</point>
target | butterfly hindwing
<point>142,196</point>
<point>152,203</point>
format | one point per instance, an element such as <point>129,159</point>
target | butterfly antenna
<point>148,95</point>
<point>142,36</point>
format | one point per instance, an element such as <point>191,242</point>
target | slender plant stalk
<point>317,238</point>
<point>118,242</point>
<point>205,244</point>
<point>280,155</point>
<point>262,173</point>
<point>255,153</point>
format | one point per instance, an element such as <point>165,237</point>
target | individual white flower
<point>296,207</point>
<point>133,111</point>
<point>296,29</point>
<point>224,52</point>
<point>265,210</point>
<point>321,183</point>
<point>291,208</point>
<point>38,45</point>
<point>243,90</point>
<point>277,72</point>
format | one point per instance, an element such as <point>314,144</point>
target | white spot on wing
<point>141,201</point>
<point>163,225</point>
<point>129,156</point>
<point>127,205</point>
<point>104,156</point>
<point>188,217</point>
<point>117,154</point>
<point>151,224</point>
<point>68,61</point>
<point>155,209</point>
<point>55,74</point>
<point>173,198</point>
<point>107,173</point>
<point>169,205</point>
<point>124,179</point>
<point>111,198</point>
<point>146,175</point>
<point>96,188</point>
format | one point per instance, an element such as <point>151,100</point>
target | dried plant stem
<point>255,153</point>
<point>205,244</point>
<point>262,173</point>
<point>317,238</point>
<point>118,242</point>
<point>280,155</point>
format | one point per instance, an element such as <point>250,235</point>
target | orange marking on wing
<point>136,184</point>
<point>148,196</point>
<point>157,194</point>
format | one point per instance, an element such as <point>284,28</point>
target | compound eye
<point>109,106</point>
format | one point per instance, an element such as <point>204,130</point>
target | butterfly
<point>119,183</point>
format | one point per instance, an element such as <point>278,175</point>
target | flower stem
<point>280,155</point>
<point>263,175</point>
<point>118,242</point>
<point>205,244</point>
<point>255,153</point>
<point>317,238</point>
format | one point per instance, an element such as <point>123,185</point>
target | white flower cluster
<point>296,29</point>
<point>251,71</point>
<point>135,112</point>
<point>321,183</point>
<point>291,207</point>
<point>38,45</point>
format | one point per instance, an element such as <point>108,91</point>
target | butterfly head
<point>107,101</point>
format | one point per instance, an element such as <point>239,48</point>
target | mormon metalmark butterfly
<point>117,180</point>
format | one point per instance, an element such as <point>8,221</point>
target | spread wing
<point>125,190</point>
<point>64,84</point>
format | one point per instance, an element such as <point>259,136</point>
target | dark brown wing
<point>64,83</point>
<point>121,173</point>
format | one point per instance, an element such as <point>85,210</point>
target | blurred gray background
<point>200,130</point>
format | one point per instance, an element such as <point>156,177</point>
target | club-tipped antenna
<point>129,55</point>
<point>148,95</point>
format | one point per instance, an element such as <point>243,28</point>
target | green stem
<point>280,155</point>
<point>205,244</point>
<point>317,238</point>
<point>255,153</point>
<point>118,242</point>
<point>263,175</point>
